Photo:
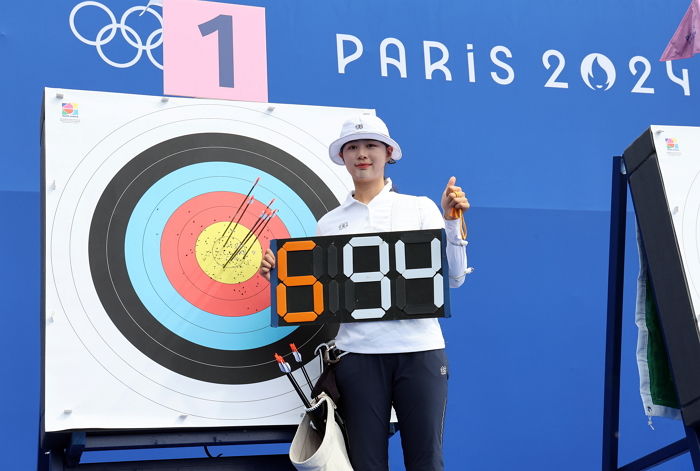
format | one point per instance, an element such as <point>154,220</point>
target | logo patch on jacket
<point>342,225</point>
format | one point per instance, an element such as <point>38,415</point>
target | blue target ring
<point>142,252</point>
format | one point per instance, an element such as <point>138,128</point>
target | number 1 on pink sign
<point>201,44</point>
<point>223,24</point>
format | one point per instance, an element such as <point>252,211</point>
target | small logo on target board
<point>69,112</point>
<point>672,145</point>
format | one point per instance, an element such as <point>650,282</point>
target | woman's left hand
<point>453,198</point>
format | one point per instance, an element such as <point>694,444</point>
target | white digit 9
<point>370,276</point>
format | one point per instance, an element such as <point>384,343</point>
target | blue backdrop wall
<point>526,342</point>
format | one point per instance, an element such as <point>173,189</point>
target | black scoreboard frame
<point>331,283</point>
<point>666,273</point>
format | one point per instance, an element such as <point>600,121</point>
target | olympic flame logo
<point>592,68</point>
<point>109,31</point>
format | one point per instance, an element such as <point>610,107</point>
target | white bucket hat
<point>364,126</point>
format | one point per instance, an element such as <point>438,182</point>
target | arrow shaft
<point>241,205</point>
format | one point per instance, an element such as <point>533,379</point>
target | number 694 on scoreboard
<point>360,278</point>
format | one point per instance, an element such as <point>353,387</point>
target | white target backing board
<point>146,325</point>
<point>678,153</point>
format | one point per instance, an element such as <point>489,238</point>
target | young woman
<point>390,363</point>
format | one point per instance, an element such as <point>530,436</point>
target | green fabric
<point>663,390</point>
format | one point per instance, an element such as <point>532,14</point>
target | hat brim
<point>337,145</point>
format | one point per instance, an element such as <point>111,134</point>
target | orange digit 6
<point>300,280</point>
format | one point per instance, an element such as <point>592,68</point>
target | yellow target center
<point>215,246</point>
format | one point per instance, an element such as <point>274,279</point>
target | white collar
<point>351,198</point>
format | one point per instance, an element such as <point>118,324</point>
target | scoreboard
<point>360,278</point>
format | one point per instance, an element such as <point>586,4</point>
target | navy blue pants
<point>416,385</point>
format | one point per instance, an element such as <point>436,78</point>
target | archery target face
<point>678,152</point>
<point>148,323</point>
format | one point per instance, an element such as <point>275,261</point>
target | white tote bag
<point>312,452</point>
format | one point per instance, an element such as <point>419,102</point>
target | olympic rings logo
<point>107,33</point>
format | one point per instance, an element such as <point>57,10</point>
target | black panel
<point>639,151</point>
<point>332,253</point>
<point>333,296</point>
<point>300,262</point>
<point>400,292</point>
<point>368,295</point>
<point>418,255</point>
<point>666,272</point>
<point>319,266</point>
<point>365,259</point>
<point>300,299</point>
<point>350,301</point>
<point>419,296</point>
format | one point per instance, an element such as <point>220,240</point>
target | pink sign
<point>214,50</point>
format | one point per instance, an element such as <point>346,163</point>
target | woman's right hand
<point>267,264</point>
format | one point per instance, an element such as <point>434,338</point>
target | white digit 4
<point>427,272</point>
<point>682,81</point>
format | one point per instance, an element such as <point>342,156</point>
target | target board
<point>149,322</point>
<point>663,168</point>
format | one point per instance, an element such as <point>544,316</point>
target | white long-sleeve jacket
<point>390,211</point>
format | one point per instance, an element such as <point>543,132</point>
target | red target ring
<point>195,233</point>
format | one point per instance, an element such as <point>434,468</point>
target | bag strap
<point>319,401</point>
